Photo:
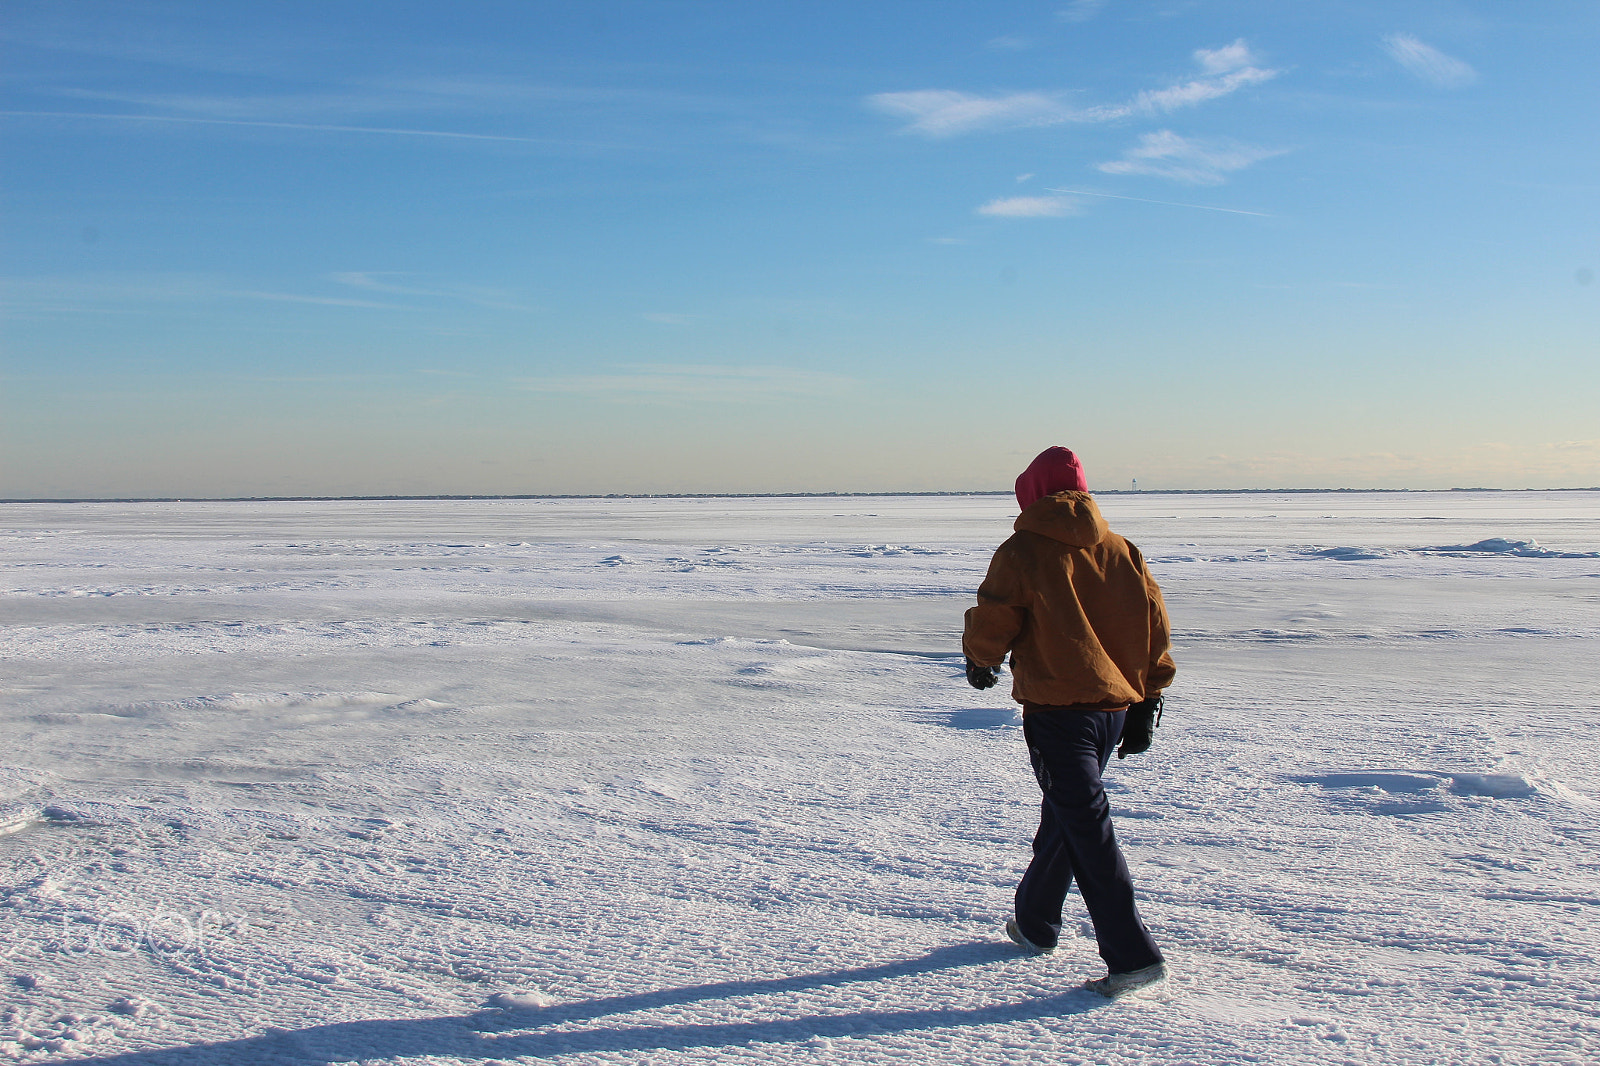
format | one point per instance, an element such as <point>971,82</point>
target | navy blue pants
<point>1069,750</point>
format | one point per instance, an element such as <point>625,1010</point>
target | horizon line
<point>730,495</point>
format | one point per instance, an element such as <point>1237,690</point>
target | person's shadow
<point>544,1032</point>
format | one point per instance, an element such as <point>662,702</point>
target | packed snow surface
<point>699,780</point>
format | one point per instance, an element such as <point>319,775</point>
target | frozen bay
<point>698,780</point>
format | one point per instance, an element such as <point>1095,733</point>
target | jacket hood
<point>1070,517</point>
<point>1052,470</point>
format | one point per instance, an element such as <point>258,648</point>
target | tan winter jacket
<point>1075,605</point>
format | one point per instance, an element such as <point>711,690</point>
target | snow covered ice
<point>699,780</point>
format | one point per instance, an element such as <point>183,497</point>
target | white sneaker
<point>1014,931</point>
<point>1113,985</point>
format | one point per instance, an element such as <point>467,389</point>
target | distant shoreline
<point>734,495</point>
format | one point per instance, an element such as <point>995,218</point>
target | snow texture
<point>699,781</point>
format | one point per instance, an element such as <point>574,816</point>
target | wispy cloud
<point>323,301</point>
<point>372,280</point>
<point>1428,63</point>
<point>1031,207</point>
<point>469,109</point>
<point>1164,154</point>
<point>50,295</point>
<point>410,96</point>
<point>145,293</point>
<point>153,292</point>
<point>259,107</point>
<point>307,126</point>
<point>1224,70</point>
<point>1225,60</point>
<point>697,384</point>
<point>290,81</point>
<point>1163,203</point>
<point>141,40</point>
<point>379,281</point>
<point>1080,10</point>
<point>945,112</point>
<point>948,112</point>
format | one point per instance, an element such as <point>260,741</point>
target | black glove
<point>981,676</point>
<point>1138,728</point>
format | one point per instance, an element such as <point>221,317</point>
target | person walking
<point>1088,635</point>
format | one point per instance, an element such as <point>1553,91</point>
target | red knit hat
<point>1055,470</point>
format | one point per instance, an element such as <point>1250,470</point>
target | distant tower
<point>1135,484</point>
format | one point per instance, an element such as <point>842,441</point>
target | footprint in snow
<point>1417,791</point>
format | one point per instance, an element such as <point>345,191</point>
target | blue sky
<point>364,248</point>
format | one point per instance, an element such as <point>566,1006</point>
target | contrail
<point>1164,203</point>
<point>274,125</point>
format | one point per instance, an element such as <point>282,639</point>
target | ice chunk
<point>529,1000</point>
<point>1522,549</point>
<point>1349,553</point>
<point>1500,786</point>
